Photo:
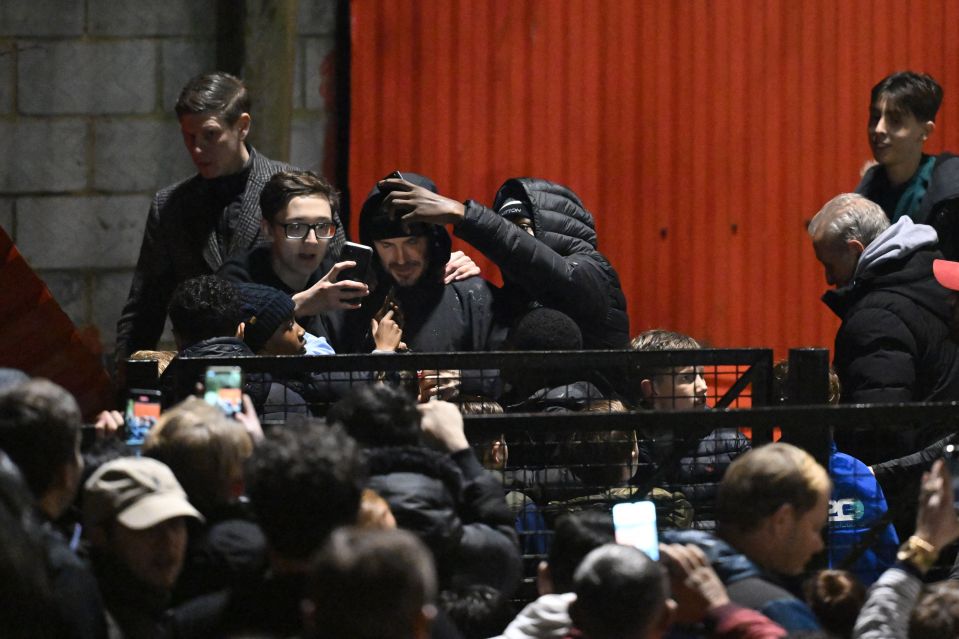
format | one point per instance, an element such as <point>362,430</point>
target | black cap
<point>513,208</point>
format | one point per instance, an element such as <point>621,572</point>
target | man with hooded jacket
<point>543,240</point>
<point>893,344</point>
<point>408,265</point>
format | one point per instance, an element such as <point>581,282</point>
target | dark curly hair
<point>204,307</point>
<point>303,481</point>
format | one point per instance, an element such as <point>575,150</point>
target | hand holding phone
<point>142,413</point>
<point>359,253</point>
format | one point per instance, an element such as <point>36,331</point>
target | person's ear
<point>783,520</point>
<point>647,388</point>
<point>544,579</point>
<point>240,330</point>
<point>927,130</point>
<point>243,124</point>
<point>499,452</point>
<point>855,246</point>
<point>423,622</point>
<point>266,228</point>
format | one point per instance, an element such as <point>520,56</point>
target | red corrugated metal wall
<point>702,135</point>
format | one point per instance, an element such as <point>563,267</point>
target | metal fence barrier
<point>569,447</point>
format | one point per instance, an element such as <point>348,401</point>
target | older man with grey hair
<point>893,344</point>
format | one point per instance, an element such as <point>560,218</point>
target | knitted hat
<point>138,492</point>
<point>265,309</point>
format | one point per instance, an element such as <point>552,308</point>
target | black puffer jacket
<point>939,207</point>
<point>560,268</point>
<point>456,508</point>
<point>272,400</point>
<point>893,344</point>
<point>698,470</point>
<point>435,317</point>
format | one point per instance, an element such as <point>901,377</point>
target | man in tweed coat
<point>195,225</point>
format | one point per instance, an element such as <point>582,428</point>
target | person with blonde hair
<point>771,508</point>
<point>206,450</point>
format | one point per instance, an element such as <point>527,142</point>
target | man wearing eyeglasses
<point>300,213</point>
<point>197,224</point>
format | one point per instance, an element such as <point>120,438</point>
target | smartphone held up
<point>223,388</point>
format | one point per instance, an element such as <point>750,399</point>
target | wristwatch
<point>918,552</point>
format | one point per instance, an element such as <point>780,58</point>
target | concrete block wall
<point>86,115</point>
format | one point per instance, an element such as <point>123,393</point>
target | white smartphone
<point>635,525</point>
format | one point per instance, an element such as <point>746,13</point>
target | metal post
<point>808,383</point>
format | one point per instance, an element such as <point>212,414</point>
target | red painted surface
<point>702,135</point>
<point>39,339</point>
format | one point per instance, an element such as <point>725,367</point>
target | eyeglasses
<point>299,230</point>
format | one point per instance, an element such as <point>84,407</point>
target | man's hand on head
<point>329,295</point>
<point>442,423</point>
<point>460,267</point>
<point>413,203</point>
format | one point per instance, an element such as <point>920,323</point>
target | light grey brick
<point>299,77</point>
<point>7,79</point>
<point>181,60</point>
<point>43,155</point>
<point>316,17</point>
<point>7,216</point>
<point>306,146</point>
<point>139,18</point>
<point>41,18</point>
<point>81,232</point>
<point>138,155</point>
<point>88,77</point>
<point>316,68</point>
<point>108,296</point>
<point>69,289</point>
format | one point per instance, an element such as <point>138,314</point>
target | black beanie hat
<point>264,309</point>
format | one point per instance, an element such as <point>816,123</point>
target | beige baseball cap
<point>138,492</point>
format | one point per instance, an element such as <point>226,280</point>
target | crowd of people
<point>376,516</point>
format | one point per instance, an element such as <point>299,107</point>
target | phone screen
<point>635,525</point>
<point>223,388</point>
<point>143,411</point>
